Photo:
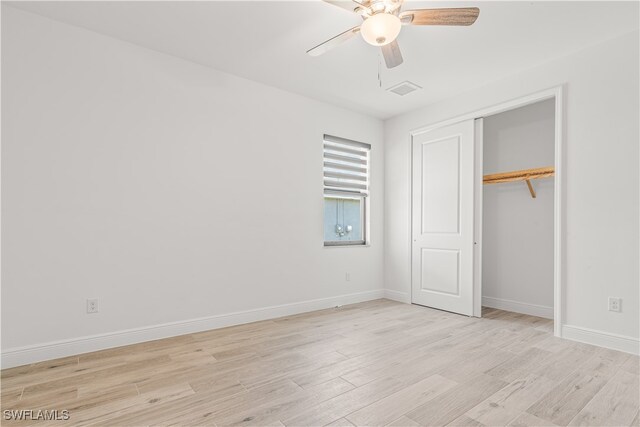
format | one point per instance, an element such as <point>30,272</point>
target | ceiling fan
<point>383,21</point>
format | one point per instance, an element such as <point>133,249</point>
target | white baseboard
<point>518,307</point>
<point>397,296</point>
<point>52,350</point>
<point>601,339</point>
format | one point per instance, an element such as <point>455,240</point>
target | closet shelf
<point>522,175</point>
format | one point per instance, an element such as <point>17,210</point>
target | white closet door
<point>442,218</point>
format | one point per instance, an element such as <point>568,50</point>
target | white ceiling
<point>266,41</point>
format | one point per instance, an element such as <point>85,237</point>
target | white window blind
<point>346,165</point>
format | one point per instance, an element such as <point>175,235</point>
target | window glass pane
<point>343,219</point>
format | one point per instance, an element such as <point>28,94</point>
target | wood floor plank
<point>11,395</point>
<point>632,365</point>
<point>329,389</point>
<point>392,407</point>
<point>135,368</point>
<point>474,362</point>
<point>201,409</point>
<point>342,422</point>
<point>403,421</point>
<point>527,420</point>
<point>102,410</point>
<point>450,405</point>
<point>40,399</point>
<point>518,367</point>
<point>378,353</point>
<point>464,421</point>
<point>568,398</point>
<point>505,405</point>
<point>271,369</point>
<point>36,368</point>
<point>560,364</point>
<point>387,366</point>
<point>286,406</point>
<point>616,404</point>
<point>346,403</point>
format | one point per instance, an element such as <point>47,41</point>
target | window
<point>346,188</point>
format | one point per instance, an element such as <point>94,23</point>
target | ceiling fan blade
<point>350,5</point>
<point>450,16</point>
<point>392,55</point>
<point>333,42</point>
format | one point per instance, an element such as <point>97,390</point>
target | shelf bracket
<point>531,190</point>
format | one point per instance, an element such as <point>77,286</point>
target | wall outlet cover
<point>92,305</point>
<point>615,304</point>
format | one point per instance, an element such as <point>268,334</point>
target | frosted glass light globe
<point>381,29</point>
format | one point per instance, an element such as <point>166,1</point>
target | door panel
<point>440,271</point>
<point>440,171</point>
<point>442,218</point>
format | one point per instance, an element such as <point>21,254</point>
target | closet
<point>518,210</point>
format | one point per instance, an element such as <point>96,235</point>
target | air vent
<point>404,88</point>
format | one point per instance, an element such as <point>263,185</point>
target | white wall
<point>166,189</point>
<point>600,202</point>
<point>517,232</point>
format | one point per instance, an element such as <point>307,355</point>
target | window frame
<point>363,218</point>
<point>363,196</point>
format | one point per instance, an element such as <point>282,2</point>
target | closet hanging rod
<point>522,175</point>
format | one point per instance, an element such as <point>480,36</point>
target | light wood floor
<point>370,364</point>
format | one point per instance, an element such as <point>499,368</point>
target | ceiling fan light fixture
<point>381,29</point>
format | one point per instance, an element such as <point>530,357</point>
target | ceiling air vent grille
<point>404,88</point>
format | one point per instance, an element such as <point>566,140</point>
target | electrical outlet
<point>347,277</point>
<point>92,305</point>
<point>615,304</point>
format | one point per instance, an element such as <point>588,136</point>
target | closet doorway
<point>517,218</point>
<point>516,186</point>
